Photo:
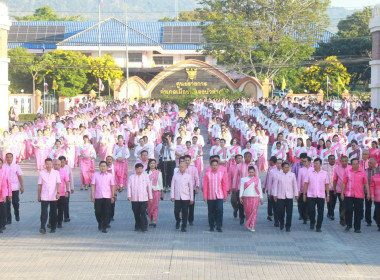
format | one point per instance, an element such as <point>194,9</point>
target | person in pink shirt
<point>284,190</point>
<point>5,189</point>
<point>193,172</point>
<point>314,192</point>
<point>272,166</point>
<point>302,176</point>
<point>231,173</point>
<point>103,195</point>
<point>64,192</point>
<point>339,172</point>
<point>329,168</point>
<point>49,190</point>
<point>182,194</point>
<point>69,171</point>
<point>17,187</point>
<point>375,195</point>
<point>353,194</point>
<point>214,193</point>
<point>140,192</point>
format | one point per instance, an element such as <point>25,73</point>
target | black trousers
<point>320,203</point>
<point>139,210</point>
<point>342,209</point>
<point>368,211</point>
<point>61,207</point>
<point>285,205</point>
<point>66,209</point>
<point>3,213</point>
<point>377,213</point>
<point>16,205</point>
<point>275,210</point>
<point>102,212</point>
<point>240,206</point>
<point>167,169</point>
<point>354,208</point>
<point>181,205</point>
<point>331,204</point>
<point>112,210</point>
<point>234,201</point>
<point>270,207</point>
<point>215,213</point>
<point>52,214</point>
<point>302,207</point>
<point>191,211</point>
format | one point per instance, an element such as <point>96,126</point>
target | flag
<point>55,85</point>
<point>102,4</point>
<point>329,85</point>
<point>101,86</point>
<point>283,86</point>
<point>340,82</point>
<point>46,87</point>
<point>272,85</point>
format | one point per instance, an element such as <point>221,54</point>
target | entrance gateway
<point>185,77</point>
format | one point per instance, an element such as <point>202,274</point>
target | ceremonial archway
<point>189,76</point>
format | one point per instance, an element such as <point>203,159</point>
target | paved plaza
<point>80,251</point>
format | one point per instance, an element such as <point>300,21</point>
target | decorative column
<point>5,24</point>
<point>266,88</point>
<point>320,95</point>
<point>374,27</point>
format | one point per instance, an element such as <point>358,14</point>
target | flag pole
<point>327,87</point>
<point>126,51</point>
<point>99,40</point>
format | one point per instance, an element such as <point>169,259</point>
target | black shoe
<point>342,223</point>
<point>42,230</point>
<point>59,226</point>
<point>269,218</point>
<point>191,223</point>
<point>67,220</point>
<point>276,225</point>
<point>9,222</point>
<point>52,231</point>
<point>287,229</point>
<point>183,229</point>
<point>347,228</point>
<point>150,225</point>
<point>177,224</point>
<point>358,231</point>
<point>304,222</point>
<point>112,219</point>
<point>211,229</point>
<point>144,229</point>
<point>104,230</point>
<point>219,230</point>
<point>300,218</point>
<point>48,225</point>
<point>281,227</point>
<point>235,213</point>
<point>241,221</point>
<point>369,224</point>
<point>17,218</point>
<point>137,229</point>
<point>318,230</point>
<point>311,226</point>
<point>154,225</point>
<point>108,226</point>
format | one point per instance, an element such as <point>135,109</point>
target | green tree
<point>104,68</point>
<point>259,37</point>
<point>68,69</point>
<point>46,13</point>
<point>315,77</point>
<point>24,69</point>
<point>291,75</point>
<point>196,15</point>
<point>352,44</point>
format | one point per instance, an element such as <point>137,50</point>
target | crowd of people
<point>306,150</point>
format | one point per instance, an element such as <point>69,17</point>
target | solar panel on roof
<point>36,34</point>
<point>182,35</point>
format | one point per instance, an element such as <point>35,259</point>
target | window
<point>198,57</point>
<point>163,60</point>
<point>135,57</point>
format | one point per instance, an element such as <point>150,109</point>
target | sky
<point>353,3</point>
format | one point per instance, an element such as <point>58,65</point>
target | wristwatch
<point>58,193</point>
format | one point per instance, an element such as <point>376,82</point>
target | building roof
<point>50,34</point>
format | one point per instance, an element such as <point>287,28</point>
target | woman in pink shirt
<point>155,177</point>
<point>5,190</point>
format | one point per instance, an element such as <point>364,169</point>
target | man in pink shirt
<point>316,187</point>
<point>69,171</point>
<point>272,179</point>
<point>214,193</point>
<point>193,172</point>
<point>353,194</point>
<point>329,168</point>
<point>182,194</point>
<point>140,192</point>
<point>339,172</point>
<point>302,176</point>
<point>49,190</point>
<point>375,195</point>
<point>64,192</point>
<point>103,194</point>
<point>272,165</point>
<point>17,186</point>
<point>5,189</point>
<point>231,173</point>
<point>285,189</point>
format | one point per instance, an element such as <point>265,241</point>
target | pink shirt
<point>69,172</point>
<point>354,183</point>
<point>302,175</point>
<point>193,172</point>
<point>139,187</point>
<point>241,172</point>
<point>267,177</point>
<point>103,185</point>
<point>317,182</point>
<point>330,171</point>
<point>375,188</point>
<point>5,185</point>
<point>214,185</point>
<point>273,174</point>
<point>14,170</point>
<point>285,185</point>
<point>182,187</point>
<point>64,180</point>
<point>339,175</point>
<point>49,181</point>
